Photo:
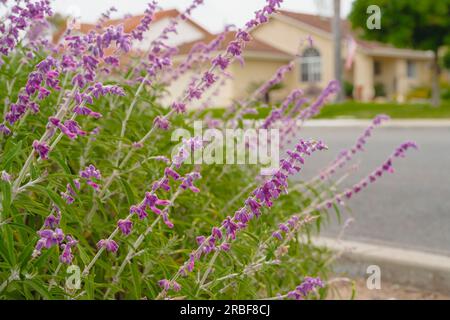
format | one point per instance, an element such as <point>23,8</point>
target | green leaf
<point>12,153</point>
<point>136,276</point>
<point>126,187</point>
<point>6,199</point>
<point>38,287</point>
<point>8,245</point>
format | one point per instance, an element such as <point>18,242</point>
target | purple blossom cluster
<point>144,25</point>
<point>306,287</point>
<point>38,86</point>
<point>169,285</point>
<point>20,17</point>
<point>5,176</point>
<point>41,148</point>
<point>105,16</point>
<point>52,235</point>
<point>109,244</point>
<point>70,194</point>
<point>233,50</point>
<point>160,54</point>
<point>286,227</point>
<point>200,53</point>
<point>90,174</point>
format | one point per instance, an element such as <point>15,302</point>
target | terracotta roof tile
<point>253,46</point>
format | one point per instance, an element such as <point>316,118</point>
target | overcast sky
<point>213,14</point>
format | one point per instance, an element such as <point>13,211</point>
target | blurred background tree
<point>420,24</point>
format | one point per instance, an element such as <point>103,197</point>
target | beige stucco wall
<point>363,77</point>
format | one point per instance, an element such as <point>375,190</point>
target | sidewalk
<point>399,123</point>
<point>400,266</point>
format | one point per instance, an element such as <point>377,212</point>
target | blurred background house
<point>372,70</point>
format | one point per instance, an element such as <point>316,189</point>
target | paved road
<point>410,208</point>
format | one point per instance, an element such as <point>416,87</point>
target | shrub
<point>348,89</point>
<point>379,90</point>
<point>88,180</point>
<point>419,93</point>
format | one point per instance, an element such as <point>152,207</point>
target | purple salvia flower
<point>307,286</point>
<point>277,235</point>
<point>144,25</point>
<point>4,129</point>
<point>52,221</point>
<point>41,148</point>
<point>90,172</point>
<point>161,123</point>
<point>66,256</point>
<point>164,284</point>
<point>125,226</point>
<point>6,176</point>
<point>109,244</point>
<point>221,62</point>
<point>176,286</point>
<point>139,211</point>
<point>179,107</point>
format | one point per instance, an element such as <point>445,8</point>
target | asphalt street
<point>410,208</point>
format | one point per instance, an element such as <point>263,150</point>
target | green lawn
<point>396,111</point>
<point>361,110</point>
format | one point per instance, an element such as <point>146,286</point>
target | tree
<point>446,60</point>
<point>419,24</point>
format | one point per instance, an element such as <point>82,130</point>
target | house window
<point>310,66</point>
<point>377,68</point>
<point>411,69</point>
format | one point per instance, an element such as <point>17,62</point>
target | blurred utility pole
<point>337,35</point>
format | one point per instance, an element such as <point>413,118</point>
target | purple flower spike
<point>307,286</point>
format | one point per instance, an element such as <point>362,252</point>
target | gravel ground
<point>342,290</point>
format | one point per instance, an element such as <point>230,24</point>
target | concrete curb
<point>401,123</point>
<point>406,267</point>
